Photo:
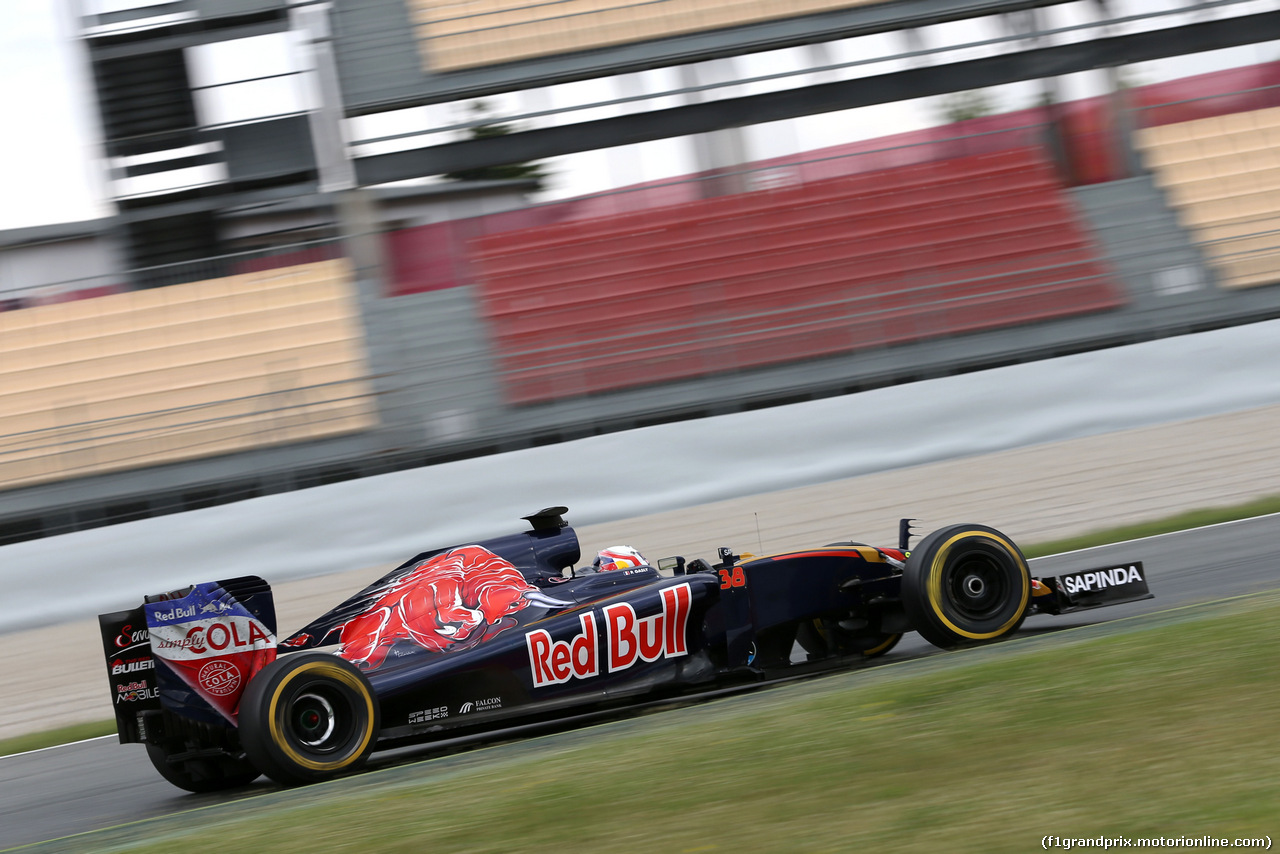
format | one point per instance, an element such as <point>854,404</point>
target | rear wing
<point>132,671</point>
<point>190,652</point>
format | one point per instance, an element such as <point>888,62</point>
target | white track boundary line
<point>55,746</point>
<point>1157,536</point>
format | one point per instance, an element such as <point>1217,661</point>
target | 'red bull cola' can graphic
<point>212,643</point>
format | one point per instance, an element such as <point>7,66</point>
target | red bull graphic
<point>648,639</point>
<point>554,661</point>
<point>449,602</point>
<point>212,643</point>
<point>628,639</point>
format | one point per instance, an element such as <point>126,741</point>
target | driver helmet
<point>618,557</point>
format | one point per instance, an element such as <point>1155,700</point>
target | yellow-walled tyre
<point>308,717</point>
<point>874,647</point>
<point>817,637</point>
<point>966,584</point>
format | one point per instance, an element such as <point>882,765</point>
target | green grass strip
<point>1171,524</point>
<point>62,735</point>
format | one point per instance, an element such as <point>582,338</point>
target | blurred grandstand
<point>265,313</point>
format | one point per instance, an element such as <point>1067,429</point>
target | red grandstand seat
<point>856,261</point>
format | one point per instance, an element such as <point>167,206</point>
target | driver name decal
<point>627,639</point>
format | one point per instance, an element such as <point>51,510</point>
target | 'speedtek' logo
<point>628,639</point>
<point>427,715</point>
<point>1089,582</point>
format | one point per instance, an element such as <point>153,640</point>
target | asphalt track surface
<point>56,793</point>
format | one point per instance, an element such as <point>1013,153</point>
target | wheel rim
<point>319,720</point>
<point>313,720</point>
<point>978,586</point>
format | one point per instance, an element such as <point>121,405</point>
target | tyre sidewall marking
<point>935,585</point>
<point>277,730</point>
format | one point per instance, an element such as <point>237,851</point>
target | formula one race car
<point>477,638</point>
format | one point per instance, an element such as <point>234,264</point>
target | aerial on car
<point>477,638</point>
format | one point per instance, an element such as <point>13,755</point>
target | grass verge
<point>1168,525</point>
<point>61,735</point>
<point>1158,726</point>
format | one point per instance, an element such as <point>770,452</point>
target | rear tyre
<point>966,584</point>
<point>201,774</point>
<point>823,638</point>
<point>308,717</point>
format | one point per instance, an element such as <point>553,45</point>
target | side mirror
<point>675,564</point>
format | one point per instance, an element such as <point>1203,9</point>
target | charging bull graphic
<point>452,601</point>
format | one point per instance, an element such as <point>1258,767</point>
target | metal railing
<point>139,278</point>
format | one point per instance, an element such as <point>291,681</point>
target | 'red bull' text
<point>628,639</point>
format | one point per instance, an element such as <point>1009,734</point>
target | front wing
<point>1094,588</point>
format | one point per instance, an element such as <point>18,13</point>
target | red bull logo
<point>628,639</point>
<point>554,662</point>
<point>452,601</point>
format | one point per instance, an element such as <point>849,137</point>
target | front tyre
<point>966,584</point>
<point>308,717</point>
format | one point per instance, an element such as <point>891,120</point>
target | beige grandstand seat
<point>1222,176</point>
<point>185,371</point>
<point>465,33</point>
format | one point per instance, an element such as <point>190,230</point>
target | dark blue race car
<point>482,637</point>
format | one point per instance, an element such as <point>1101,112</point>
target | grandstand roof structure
<point>395,54</point>
<point>1016,65</point>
